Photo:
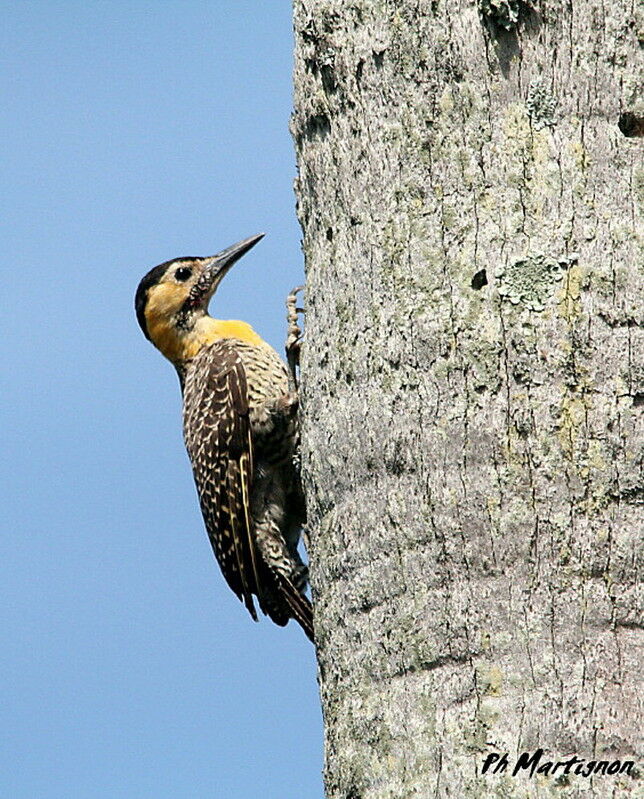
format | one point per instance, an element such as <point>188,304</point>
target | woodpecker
<point>240,430</point>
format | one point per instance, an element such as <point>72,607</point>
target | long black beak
<point>219,264</point>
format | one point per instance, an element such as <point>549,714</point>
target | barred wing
<point>217,434</point>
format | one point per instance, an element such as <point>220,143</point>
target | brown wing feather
<point>218,440</point>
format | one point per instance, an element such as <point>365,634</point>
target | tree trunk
<point>472,389</point>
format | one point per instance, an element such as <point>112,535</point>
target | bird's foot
<point>300,577</point>
<point>293,337</point>
<point>287,404</point>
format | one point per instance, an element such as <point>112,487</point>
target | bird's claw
<point>293,336</point>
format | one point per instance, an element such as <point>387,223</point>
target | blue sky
<point>132,133</point>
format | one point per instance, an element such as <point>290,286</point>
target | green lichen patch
<point>490,679</point>
<point>530,281</point>
<point>541,105</point>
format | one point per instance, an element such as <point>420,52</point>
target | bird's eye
<point>183,273</point>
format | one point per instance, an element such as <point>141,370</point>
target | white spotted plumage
<point>241,434</point>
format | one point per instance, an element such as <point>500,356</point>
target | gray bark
<point>472,388</point>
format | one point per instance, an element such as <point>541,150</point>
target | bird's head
<point>172,300</point>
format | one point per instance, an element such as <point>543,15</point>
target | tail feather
<point>298,604</point>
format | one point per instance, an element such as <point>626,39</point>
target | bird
<point>240,428</point>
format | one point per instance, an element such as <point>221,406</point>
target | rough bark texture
<point>473,388</point>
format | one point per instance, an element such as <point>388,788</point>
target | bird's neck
<point>215,329</point>
<point>179,346</point>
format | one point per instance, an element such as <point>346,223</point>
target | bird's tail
<point>298,604</point>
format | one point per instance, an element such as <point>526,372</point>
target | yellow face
<point>175,311</point>
<point>170,321</point>
<point>172,302</point>
<point>164,301</point>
